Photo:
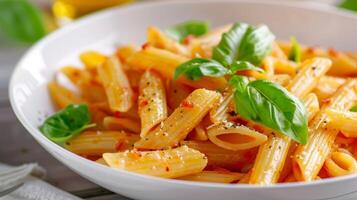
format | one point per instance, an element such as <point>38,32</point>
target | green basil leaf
<point>273,106</point>
<point>240,83</point>
<point>353,109</point>
<point>256,44</point>
<point>226,52</point>
<point>21,20</point>
<point>243,42</point>
<point>243,65</point>
<point>182,30</point>
<point>196,68</point>
<point>295,51</point>
<point>349,5</point>
<point>67,123</point>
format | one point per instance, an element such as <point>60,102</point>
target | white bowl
<point>103,31</point>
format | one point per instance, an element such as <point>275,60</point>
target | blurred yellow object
<point>67,10</point>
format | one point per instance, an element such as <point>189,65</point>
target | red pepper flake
<point>187,40</point>
<point>332,52</point>
<point>326,100</point>
<point>186,104</point>
<point>145,46</point>
<point>143,102</point>
<point>119,145</point>
<point>117,114</point>
<point>167,169</point>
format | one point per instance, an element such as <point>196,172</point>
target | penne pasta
<point>272,154</point>
<point>62,96</point>
<point>219,157</point>
<point>116,85</point>
<point>155,59</point>
<point>312,105</point>
<point>119,123</point>
<point>235,137</point>
<point>340,164</point>
<point>152,102</point>
<point>281,79</point>
<point>327,86</point>
<point>92,59</point>
<point>184,119</point>
<point>342,64</point>
<point>309,158</point>
<point>95,143</point>
<point>125,52</point>
<point>344,121</point>
<point>219,112</point>
<point>171,163</point>
<point>160,40</point>
<point>176,94</point>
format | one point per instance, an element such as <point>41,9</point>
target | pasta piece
<point>219,112</point>
<point>176,94</point>
<point>160,40</point>
<point>184,119</point>
<point>101,161</point>
<point>92,59</point>
<point>287,170</point>
<point>62,96</point>
<point>235,137</point>
<point>327,86</point>
<point>152,102</point>
<point>199,133</point>
<point>95,143</point>
<point>281,79</point>
<point>134,78</point>
<point>116,84</point>
<point>202,45</point>
<point>277,52</point>
<point>290,179</point>
<point>219,157</point>
<point>214,177</point>
<point>312,105</point>
<point>171,163</point>
<point>272,154</point>
<point>165,62</point>
<point>279,66</point>
<point>344,121</point>
<point>342,64</point>
<point>124,52</point>
<point>245,179</point>
<point>340,164</point>
<point>309,158</point>
<point>307,78</point>
<point>90,89</point>
<point>76,75</point>
<point>115,123</point>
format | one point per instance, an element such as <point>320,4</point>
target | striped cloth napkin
<point>27,184</point>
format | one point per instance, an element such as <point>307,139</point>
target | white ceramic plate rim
<point>34,131</point>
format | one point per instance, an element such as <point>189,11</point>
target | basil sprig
<point>271,105</point>
<point>295,51</point>
<point>21,20</point>
<point>67,123</point>
<point>182,30</point>
<point>196,68</point>
<point>241,48</point>
<point>353,109</point>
